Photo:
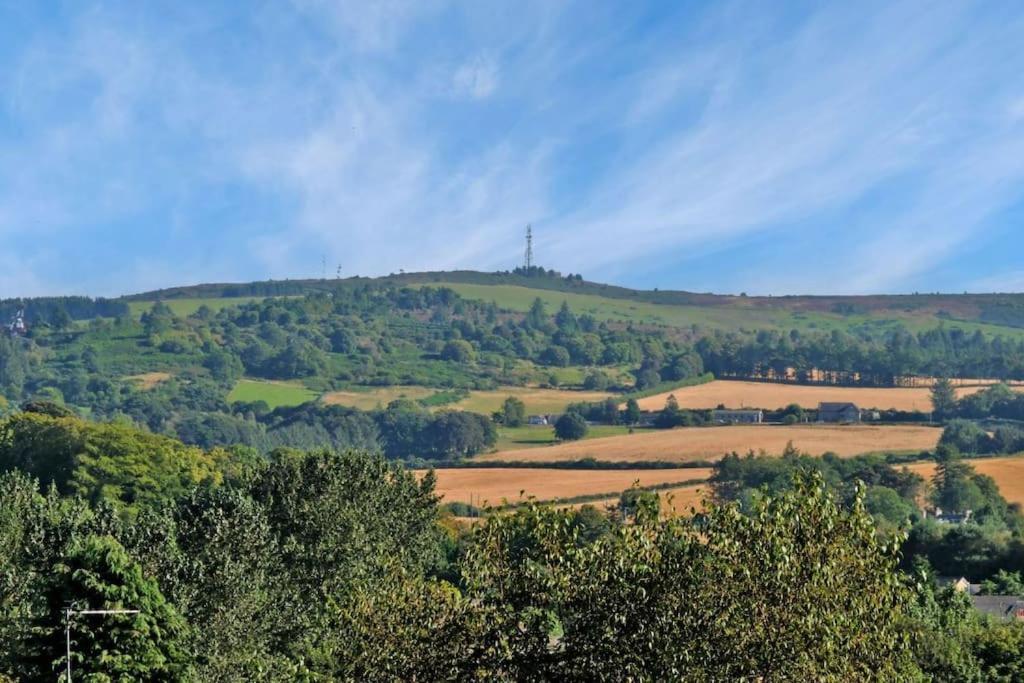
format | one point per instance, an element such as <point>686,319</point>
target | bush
<point>570,427</point>
<point>458,350</point>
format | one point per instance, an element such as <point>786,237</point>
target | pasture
<point>275,394</point>
<point>691,444</point>
<point>738,314</point>
<point>369,398</point>
<point>769,395</point>
<point>538,401</point>
<point>148,380</point>
<point>531,436</point>
<point>1008,473</point>
<point>498,485</point>
<point>186,307</point>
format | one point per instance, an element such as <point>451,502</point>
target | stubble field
<point>1008,473</point>
<point>711,443</point>
<point>496,485</point>
<point>768,395</point>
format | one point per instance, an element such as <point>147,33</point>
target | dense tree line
<point>58,310</point>
<point>993,538</point>
<point>870,359</point>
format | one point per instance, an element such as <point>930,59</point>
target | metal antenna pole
<point>67,634</point>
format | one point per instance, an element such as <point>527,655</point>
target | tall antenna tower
<point>528,260</point>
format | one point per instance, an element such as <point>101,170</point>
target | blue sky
<point>765,147</point>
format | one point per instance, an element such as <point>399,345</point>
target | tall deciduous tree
<point>943,398</point>
<point>149,646</point>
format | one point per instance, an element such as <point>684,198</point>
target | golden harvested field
<point>494,485</point>
<point>770,396</point>
<point>372,397</point>
<point>538,401</point>
<point>1008,473</point>
<point>711,443</point>
<point>148,380</point>
<point>683,498</point>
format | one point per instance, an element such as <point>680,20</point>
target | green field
<point>276,394</point>
<point>369,398</point>
<point>186,307</point>
<point>726,317</point>
<point>538,401</point>
<point>510,438</point>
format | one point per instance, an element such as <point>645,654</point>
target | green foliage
<point>943,398</point>
<point>459,351</point>
<point>107,462</point>
<point>954,486</point>
<point>98,574</point>
<point>570,427</point>
<point>821,598</point>
<point>325,566</point>
<point>966,437</point>
<point>513,412</point>
<point>1003,583</point>
<point>632,413</point>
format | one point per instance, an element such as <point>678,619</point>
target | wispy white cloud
<point>381,145</point>
<point>477,78</point>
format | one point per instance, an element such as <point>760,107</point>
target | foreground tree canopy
<point>327,565</point>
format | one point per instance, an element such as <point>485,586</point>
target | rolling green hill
<point>302,362</point>
<point>990,313</point>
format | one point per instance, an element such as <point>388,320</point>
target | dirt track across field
<point>711,443</point>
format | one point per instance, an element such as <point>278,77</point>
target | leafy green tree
<point>671,416</point>
<point>459,351</point>
<point>513,412</point>
<point>631,415</point>
<point>555,355</point>
<point>570,427</point>
<point>537,317</point>
<point>1004,583</point>
<point>220,563</point>
<point>999,650</point>
<point>110,462</point>
<point>596,381</point>
<point>954,488</point>
<point>943,396</point>
<point>565,321</point>
<point>886,505</point>
<point>941,625</point>
<point>803,589</point>
<point>966,437</point>
<point>148,646</point>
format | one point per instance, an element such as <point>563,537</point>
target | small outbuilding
<point>839,413</point>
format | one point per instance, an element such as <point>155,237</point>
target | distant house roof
<point>838,412</point>
<point>837,407</point>
<point>999,606</point>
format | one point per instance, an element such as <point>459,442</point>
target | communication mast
<point>528,260</point>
